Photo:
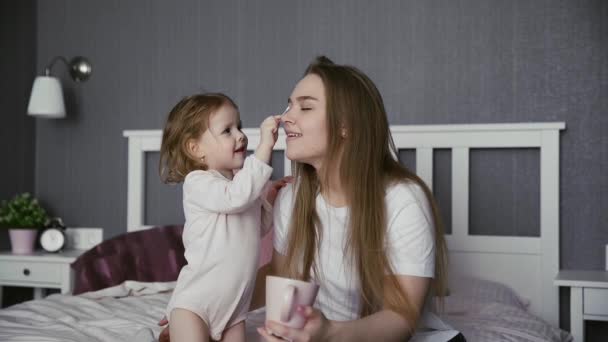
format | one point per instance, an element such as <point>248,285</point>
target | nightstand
<point>588,298</point>
<point>40,270</point>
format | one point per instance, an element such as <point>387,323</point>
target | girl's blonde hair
<point>189,119</point>
<point>367,168</point>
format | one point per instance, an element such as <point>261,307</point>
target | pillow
<point>151,255</point>
<point>501,322</point>
<point>484,291</point>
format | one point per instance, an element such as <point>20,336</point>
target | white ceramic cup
<point>284,295</point>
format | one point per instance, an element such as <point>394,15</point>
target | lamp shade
<point>46,99</point>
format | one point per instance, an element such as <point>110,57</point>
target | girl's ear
<point>194,149</point>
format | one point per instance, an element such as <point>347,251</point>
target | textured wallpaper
<point>434,62</point>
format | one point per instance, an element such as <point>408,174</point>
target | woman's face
<point>305,122</point>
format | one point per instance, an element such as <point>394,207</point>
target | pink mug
<point>284,295</point>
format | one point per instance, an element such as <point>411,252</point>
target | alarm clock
<point>53,238</point>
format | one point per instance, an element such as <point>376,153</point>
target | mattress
<point>481,310</point>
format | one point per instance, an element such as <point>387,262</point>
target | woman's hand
<point>273,191</point>
<point>317,328</point>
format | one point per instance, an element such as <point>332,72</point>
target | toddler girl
<point>203,146</point>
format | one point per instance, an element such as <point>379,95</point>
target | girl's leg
<point>235,333</point>
<point>186,326</point>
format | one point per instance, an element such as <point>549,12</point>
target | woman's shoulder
<point>282,209</point>
<point>408,207</point>
<point>286,195</point>
<point>405,192</point>
<point>407,196</point>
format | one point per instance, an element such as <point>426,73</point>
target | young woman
<point>355,221</point>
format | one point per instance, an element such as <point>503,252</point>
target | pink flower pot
<point>23,240</point>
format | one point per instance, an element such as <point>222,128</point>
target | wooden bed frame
<point>526,264</point>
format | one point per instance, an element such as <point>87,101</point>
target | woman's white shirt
<point>409,242</point>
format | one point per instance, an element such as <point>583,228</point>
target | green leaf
<point>23,211</point>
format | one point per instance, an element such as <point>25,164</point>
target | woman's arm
<point>384,325</point>
<point>387,325</point>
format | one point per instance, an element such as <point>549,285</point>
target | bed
<point>514,302</point>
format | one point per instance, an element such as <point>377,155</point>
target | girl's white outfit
<point>222,240</point>
<point>410,246</point>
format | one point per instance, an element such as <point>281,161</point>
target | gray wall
<point>17,131</point>
<point>434,62</point>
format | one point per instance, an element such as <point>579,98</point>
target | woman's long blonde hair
<point>367,168</point>
<point>188,119</point>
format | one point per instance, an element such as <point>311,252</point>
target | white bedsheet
<point>114,314</point>
<point>130,311</point>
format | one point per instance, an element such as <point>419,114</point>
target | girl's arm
<point>219,195</point>
<point>384,325</point>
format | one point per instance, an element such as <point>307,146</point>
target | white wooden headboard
<point>526,264</point>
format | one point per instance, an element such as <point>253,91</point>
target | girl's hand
<point>269,130</point>
<point>273,191</point>
<point>317,328</point>
<point>269,133</point>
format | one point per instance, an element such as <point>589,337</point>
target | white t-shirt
<point>409,241</point>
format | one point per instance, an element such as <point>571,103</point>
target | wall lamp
<point>46,99</point>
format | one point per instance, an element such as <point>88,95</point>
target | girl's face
<point>305,122</point>
<point>223,145</point>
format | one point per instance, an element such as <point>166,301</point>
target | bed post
<point>549,221</point>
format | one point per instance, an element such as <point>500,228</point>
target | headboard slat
<point>549,218</point>
<point>460,192</point>
<point>424,165</point>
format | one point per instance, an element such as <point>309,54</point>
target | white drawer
<point>595,301</point>
<point>20,271</point>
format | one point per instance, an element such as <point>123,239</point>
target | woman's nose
<point>286,117</point>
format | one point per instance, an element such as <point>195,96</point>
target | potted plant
<point>24,217</point>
